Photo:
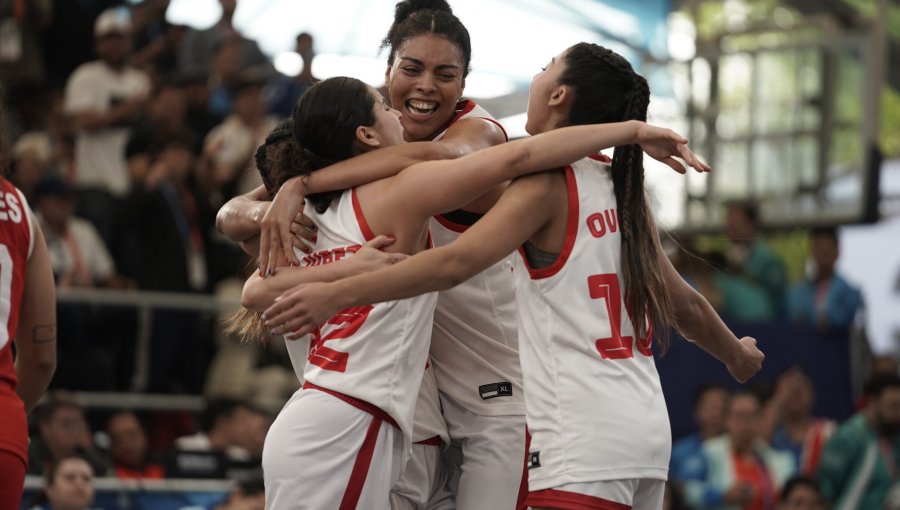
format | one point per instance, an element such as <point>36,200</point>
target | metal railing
<point>145,302</point>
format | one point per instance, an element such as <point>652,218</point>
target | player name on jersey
<point>10,207</point>
<point>328,256</point>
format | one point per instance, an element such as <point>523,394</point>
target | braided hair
<point>607,89</point>
<point>413,18</point>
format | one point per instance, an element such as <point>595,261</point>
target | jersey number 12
<point>349,320</point>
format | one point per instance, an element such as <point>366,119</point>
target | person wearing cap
<point>103,98</point>
<point>77,253</point>
<point>30,161</point>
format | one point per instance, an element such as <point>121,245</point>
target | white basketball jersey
<point>429,422</point>
<point>473,346</point>
<point>373,353</point>
<point>594,404</point>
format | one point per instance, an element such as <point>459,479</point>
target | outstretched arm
<point>698,322</point>
<point>434,187</point>
<point>503,229</point>
<point>36,334</point>
<point>463,137</point>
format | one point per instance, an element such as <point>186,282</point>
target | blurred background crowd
<point>128,132</point>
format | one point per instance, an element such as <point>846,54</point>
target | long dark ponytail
<point>607,89</point>
<point>325,121</point>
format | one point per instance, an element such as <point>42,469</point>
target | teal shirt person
<point>766,269</point>
<point>743,300</point>
<point>857,467</point>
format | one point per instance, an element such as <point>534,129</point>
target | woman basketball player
<point>28,320</point>
<point>341,439</point>
<point>590,261</point>
<point>474,339</point>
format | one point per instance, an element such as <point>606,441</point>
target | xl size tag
<point>500,389</point>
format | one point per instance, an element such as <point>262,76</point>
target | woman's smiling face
<point>425,83</point>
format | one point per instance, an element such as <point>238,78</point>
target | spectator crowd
<point>129,132</point>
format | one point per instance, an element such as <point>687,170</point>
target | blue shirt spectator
<point>826,299</point>
<point>687,461</point>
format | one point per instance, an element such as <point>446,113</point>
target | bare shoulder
<point>545,191</point>
<point>475,132</point>
<point>546,181</point>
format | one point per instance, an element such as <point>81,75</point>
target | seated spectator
<point>789,425</point>
<point>229,444</point>
<point>78,254</point>
<point>128,448</point>
<point>80,259</point>
<point>231,145</point>
<point>69,486</point>
<point>742,470</point>
<point>47,148</point>
<point>857,468</point>
<point>750,257</point>
<point>62,432</point>
<point>741,298</point>
<point>825,299</point>
<point>801,493</point>
<point>30,162</point>
<point>732,295</point>
<point>709,414</point>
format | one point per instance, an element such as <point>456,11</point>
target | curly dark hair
<point>413,18</point>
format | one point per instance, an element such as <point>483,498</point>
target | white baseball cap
<point>116,20</point>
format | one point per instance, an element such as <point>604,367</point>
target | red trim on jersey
<point>362,405</point>
<point>449,225</point>
<point>431,441</point>
<point>361,467</point>
<point>360,217</point>
<point>565,500</point>
<point>601,158</point>
<point>523,485</point>
<point>571,230</point>
<point>467,106</point>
